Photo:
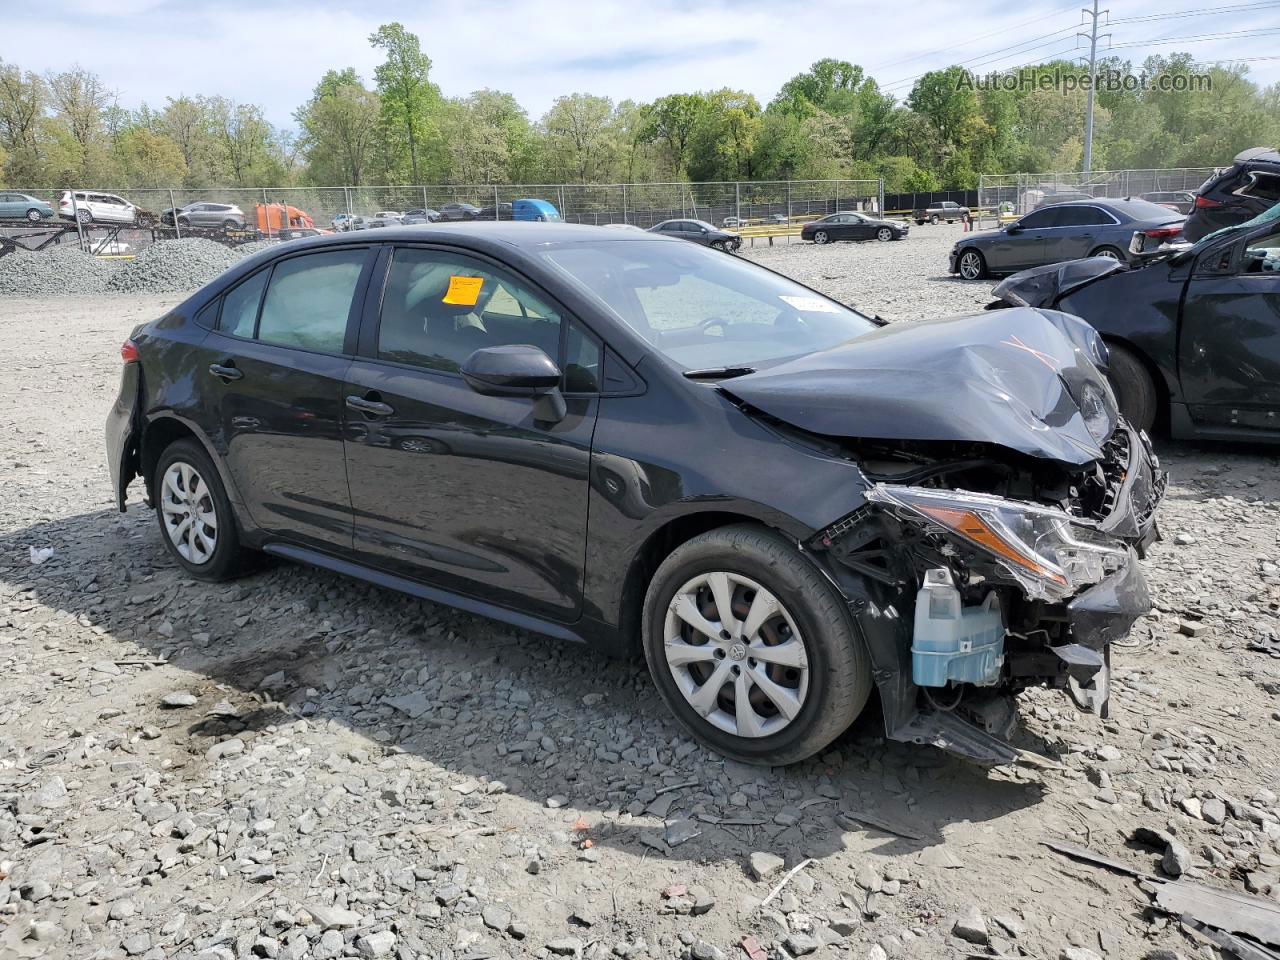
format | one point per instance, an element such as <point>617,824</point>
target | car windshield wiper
<point>718,373</point>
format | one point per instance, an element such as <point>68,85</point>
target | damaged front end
<point>974,576</point>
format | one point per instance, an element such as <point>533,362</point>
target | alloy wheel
<point>33,216</point>
<point>883,234</point>
<point>971,266</point>
<point>736,654</point>
<point>820,237</point>
<point>190,516</point>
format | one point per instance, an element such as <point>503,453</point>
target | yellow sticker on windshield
<point>463,291</point>
<point>811,304</point>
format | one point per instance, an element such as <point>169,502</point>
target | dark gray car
<point>1064,231</point>
<point>699,231</point>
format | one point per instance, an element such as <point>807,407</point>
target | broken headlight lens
<point>1096,413</point>
<point>1047,551</point>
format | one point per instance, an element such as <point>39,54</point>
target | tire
<point>84,215</point>
<point>184,223</point>
<point>1111,253</point>
<point>33,215</point>
<point>884,234</point>
<point>229,225</point>
<point>821,236</point>
<point>187,459</point>
<point>971,264</point>
<point>934,219</point>
<point>144,222</point>
<point>920,223</point>
<point>719,245</point>
<point>1135,390</point>
<point>826,693</point>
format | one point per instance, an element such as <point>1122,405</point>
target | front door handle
<point>375,408</point>
<point>225,373</point>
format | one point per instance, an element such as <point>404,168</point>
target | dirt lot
<point>295,765</point>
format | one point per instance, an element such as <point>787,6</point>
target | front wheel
<point>972,266</point>
<point>884,234</point>
<point>821,237</point>
<point>752,649</point>
<point>719,245</point>
<point>196,522</point>
<point>1135,390</point>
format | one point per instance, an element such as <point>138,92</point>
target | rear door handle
<point>374,408</point>
<point>225,373</point>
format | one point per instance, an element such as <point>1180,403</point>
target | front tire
<point>33,215</point>
<point>972,265</point>
<point>779,675</point>
<point>1136,393</point>
<point>884,234</point>
<point>821,237</point>
<point>195,516</point>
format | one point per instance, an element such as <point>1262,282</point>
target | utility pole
<point>1092,37</point>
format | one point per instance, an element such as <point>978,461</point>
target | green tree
<point>581,140</point>
<point>672,120</point>
<point>338,125</point>
<point>147,159</point>
<point>404,85</point>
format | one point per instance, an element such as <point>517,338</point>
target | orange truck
<point>274,217</point>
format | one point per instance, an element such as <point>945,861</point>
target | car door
<point>9,206</point>
<point>859,228</point>
<point>1078,232</point>
<point>115,209</point>
<point>272,373</point>
<point>468,492</point>
<point>1017,249</point>
<point>1229,337</point>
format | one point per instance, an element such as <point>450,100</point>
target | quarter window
<point>309,300</point>
<point>440,307</point>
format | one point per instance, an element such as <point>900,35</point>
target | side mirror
<point>1013,228</point>
<point>517,370</point>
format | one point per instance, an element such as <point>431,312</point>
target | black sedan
<point>789,502</point>
<point>699,231</point>
<point>1064,231</point>
<point>853,226</point>
<point>1194,336</point>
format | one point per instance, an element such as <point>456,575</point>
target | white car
<point>388,215</point>
<point>93,207</point>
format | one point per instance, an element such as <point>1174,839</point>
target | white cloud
<point>273,51</point>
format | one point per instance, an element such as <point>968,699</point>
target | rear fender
<point>124,433</point>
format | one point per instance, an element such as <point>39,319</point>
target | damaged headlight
<point>1096,413</point>
<point>1049,552</point>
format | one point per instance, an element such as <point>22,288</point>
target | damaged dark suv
<point>642,444</point>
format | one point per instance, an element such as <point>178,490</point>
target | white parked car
<point>388,215</point>
<point>94,207</point>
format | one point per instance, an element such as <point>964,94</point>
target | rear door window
<point>1083,217</point>
<point>240,306</point>
<point>309,298</point>
<point>1264,186</point>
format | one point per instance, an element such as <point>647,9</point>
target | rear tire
<point>229,225</point>
<point>1136,393</point>
<point>972,265</point>
<point>803,667</point>
<point>84,215</point>
<point>1111,253</point>
<point>934,219</point>
<point>186,487</point>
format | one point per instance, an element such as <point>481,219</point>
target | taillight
<point>1163,233</point>
<point>129,352</point>
<point>1204,203</point>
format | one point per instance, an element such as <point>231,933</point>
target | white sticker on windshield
<point>810,304</point>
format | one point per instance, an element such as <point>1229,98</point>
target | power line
<point>963,43</point>
<point>1208,11</point>
<point>1201,38</point>
<point>993,55</point>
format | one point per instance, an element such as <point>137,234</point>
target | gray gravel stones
<point>174,265</point>
<point>765,864</point>
<point>62,271</point>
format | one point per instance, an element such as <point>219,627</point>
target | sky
<point>272,52</point>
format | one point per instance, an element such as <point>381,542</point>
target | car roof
<point>494,234</point>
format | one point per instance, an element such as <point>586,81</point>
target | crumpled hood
<point>1016,378</point>
<point>1046,285</point>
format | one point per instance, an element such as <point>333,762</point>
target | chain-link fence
<point>243,213</point>
<point>1014,194</point>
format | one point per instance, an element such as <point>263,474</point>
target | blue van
<point>534,210</point>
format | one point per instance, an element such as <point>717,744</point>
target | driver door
<point>1229,338</point>
<point>468,492</point>
<point>1024,247</point>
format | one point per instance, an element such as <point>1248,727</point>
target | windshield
<point>704,308</point>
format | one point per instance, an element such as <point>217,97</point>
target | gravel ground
<point>299,766</point>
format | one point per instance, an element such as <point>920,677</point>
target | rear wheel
<point>196,522</point>
<point>934,219</point>
<point>1135,390</point>
<point>229,225</point>
<point>752,648</point>
<point>1111,253</point>
<point>884,234</point>
<point>821,237</point>
<point>84,215</point>
<point>972,266</point>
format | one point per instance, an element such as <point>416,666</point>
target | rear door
<point>1078,232</point>
<point>272,374</point>
<point>468,492</point>
<point>1229,341</point>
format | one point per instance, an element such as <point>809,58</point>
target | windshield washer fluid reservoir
<point>952,641</point>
